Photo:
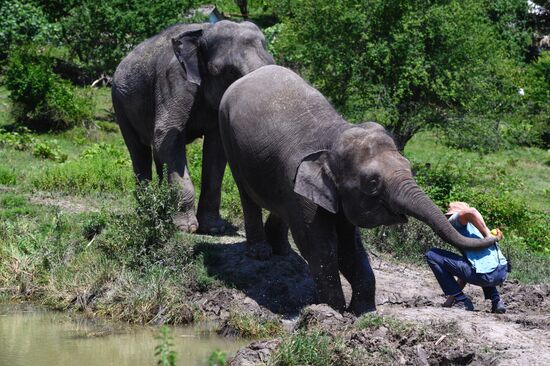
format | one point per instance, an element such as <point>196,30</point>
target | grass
<point>311,348</point>
<point>529,166</point>
<point>252,327</point>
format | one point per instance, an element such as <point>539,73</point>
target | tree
<point>405,63</point>
<point>101,33</point>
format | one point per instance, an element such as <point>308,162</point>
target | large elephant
<point>166,93</point>
<point>291,153</point>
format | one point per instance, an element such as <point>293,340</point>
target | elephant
<point>166,93</point>
<point>292,154</point>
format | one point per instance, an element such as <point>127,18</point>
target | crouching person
<point>487,267</point>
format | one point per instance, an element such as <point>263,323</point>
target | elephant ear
<point>314,181</point>
<point>186,50</point>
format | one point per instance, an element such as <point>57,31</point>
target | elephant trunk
<point>412,201</point>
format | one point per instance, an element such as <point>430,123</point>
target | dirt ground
<point>282,286</point>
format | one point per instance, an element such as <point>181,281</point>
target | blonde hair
<point>456,206</point>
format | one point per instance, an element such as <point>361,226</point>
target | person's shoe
<point>465,304</point>
<point>498,307</point>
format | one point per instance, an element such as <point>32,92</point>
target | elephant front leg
<point>213,167</point>
<point>171,156</point>
<point>319,240</point>
<point>354,265</point>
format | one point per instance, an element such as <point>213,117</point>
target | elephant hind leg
<point>140,153</point>
<point>276,232</point>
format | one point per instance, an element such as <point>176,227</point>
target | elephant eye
<point>213,69</point>
<point>370,186</point>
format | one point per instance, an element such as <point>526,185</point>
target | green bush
<point>22,22</point>
<point>101,34</point>
<point>42,100</point>
<point>7,176</point>
<point>19,140</point>
<point>49,150</point>
<point>138,238</point>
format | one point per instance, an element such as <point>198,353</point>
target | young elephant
<point>292,154</point>
<point>166,93</point>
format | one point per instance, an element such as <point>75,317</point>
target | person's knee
<point>431,255</point>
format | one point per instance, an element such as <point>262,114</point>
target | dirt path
<point>519,337</point>
<point>282,285</point>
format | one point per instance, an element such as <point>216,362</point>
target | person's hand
<point>497,233</point>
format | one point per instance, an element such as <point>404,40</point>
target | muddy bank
<point>282,288</point>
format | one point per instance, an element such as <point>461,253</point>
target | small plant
<point>310,348</point>
<point>19,139</point>
<point>93,226</point>
<point>217,358</point>
<point>49,150</point>
<point>7,176</point>
<point>249,326</point>
<point>166,356</point>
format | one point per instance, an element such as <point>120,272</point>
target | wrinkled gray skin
<point>292,154</point>
<point>166,93</point>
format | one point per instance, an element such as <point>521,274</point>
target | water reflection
<point>31,336</point>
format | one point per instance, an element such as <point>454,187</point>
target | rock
<point>324,317</point>
<point>256,353</point>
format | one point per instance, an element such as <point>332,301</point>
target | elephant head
<point>366,177</point>
<point>216,56</point>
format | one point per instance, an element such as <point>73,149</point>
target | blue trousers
<point>446,265</point>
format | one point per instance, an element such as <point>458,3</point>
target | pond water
<point>33,336</point>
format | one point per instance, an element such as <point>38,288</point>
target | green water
<point>31,336</point>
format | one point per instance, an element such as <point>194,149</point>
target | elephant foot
<point>211,225</point>
<point>261,250</point>
<point>186,222</point>
<point>280,248</point>
<point>359,307</point>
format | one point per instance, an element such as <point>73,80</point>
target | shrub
<point>100,34</point>
<point>49,150</point>
<point>22,22</point>
<point>474,134</point>
<point>41,99</point>
<point>20,139</point>
<point>7,176</point>
<point>139,238</point>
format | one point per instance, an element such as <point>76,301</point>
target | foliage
<point>100,34</point>
<point>22,22</point>
<point>217,358</point>
<point>310,348</point>
<point>100,168</point>
<point>147,231</point>
<point>167,357</point>
<point>250,326</point>
<point>51,150</point>
<point>7,177</point>
<point>403,63</point>
<point>41,99</point>
<point>20,139</point>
